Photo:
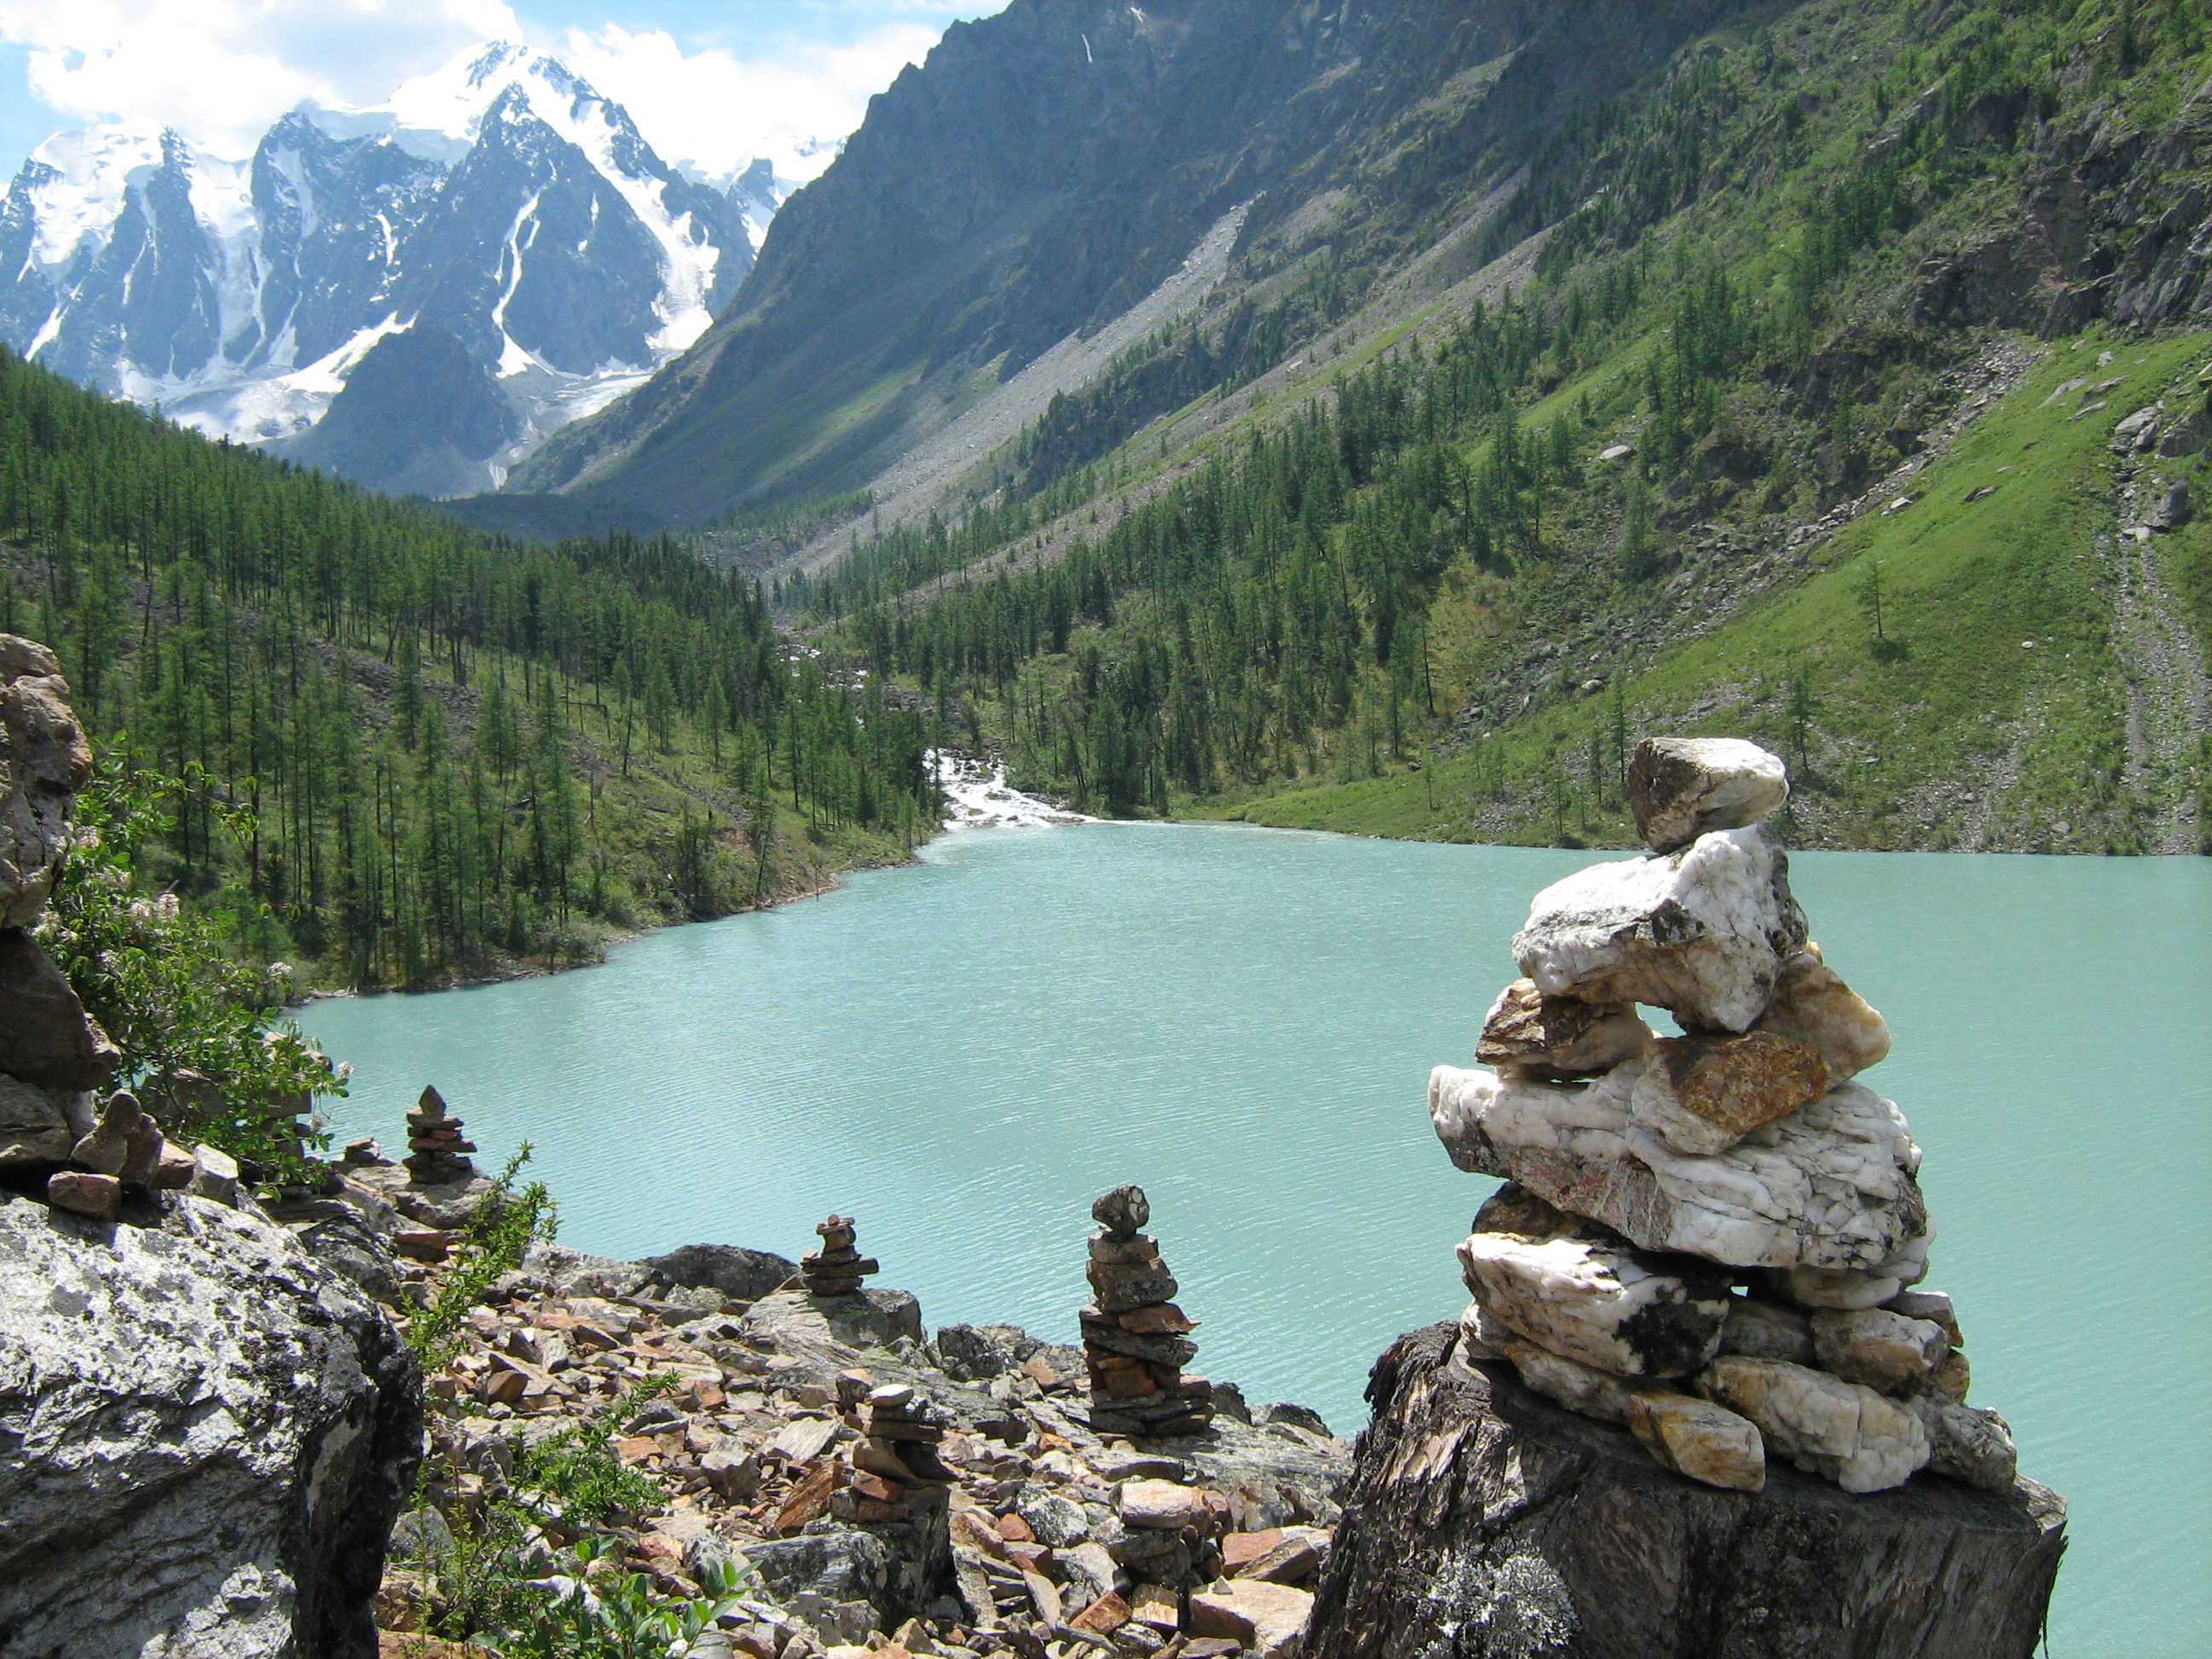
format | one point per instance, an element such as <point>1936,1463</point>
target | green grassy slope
<point>1992,714</point>
<point>1408,593</point>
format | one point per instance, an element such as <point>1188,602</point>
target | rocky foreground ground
<point>1044,1540</point>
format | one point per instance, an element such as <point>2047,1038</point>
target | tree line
<point>449,747</point>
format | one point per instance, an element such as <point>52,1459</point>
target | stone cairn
<point>1135,1340</point>
<point>838,1267</point>
<point>438,1151</point>
<point>54,1059</point>
<point>895,1466</point>
<point>1647,1178</point>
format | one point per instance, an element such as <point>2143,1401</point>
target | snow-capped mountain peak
<point>500,205</point>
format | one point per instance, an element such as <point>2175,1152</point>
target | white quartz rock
<point>1857,1438</point>
<point>1602,1303</point>
<point>1818,1287</point>
<point>1703,932</point>
<point>1569,1383</point>
<point>1830,1187</point>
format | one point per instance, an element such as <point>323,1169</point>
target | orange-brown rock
<point>1163,1319</point>
<point>1702,1094</point>
<point>1813,1005</point>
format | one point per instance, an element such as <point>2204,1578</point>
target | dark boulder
<point>742,1275</point>
<point>1484,1522</point>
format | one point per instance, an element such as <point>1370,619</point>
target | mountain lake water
<point>963,1054</point>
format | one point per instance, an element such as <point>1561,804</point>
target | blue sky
<point>709,81</point>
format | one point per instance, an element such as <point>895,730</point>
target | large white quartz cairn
<point>1702,931</point>
<point>1830,1187</point>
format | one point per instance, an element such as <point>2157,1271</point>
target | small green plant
<point>577,1470</point>
<point>500,1234</point>
<point>198,1029</point>
<point>536,1574</point>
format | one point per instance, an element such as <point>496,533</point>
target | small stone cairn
<point>55,1061</point>
<point>1711,1239</point>
<point>437,1150</point>
<point>894,1465</point>
<point>838,1267</point>
<point>1135,1340</point>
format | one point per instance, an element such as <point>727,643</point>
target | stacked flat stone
<point>838,1267</point>
<point>1135,1340</point>
<point>1710,1239</point>
<point>437,1150</point>
<point>56,1121</point>
<point>896,1467</point>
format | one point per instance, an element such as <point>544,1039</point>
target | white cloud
<point>221,71</point>
<point>717,111</point>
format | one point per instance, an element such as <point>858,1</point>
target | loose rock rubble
<point>945,1495</point>
<point>1135,1340</point>
<point>1709,1239</point>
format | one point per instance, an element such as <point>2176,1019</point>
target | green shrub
<point>200,1030</point>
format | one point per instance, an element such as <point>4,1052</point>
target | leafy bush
<point>198,1029</point>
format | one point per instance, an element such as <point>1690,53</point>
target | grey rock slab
<point>45,1035</point>
<point>1679,788</point>
<point>1057,1521</point>
<point>1703,932</point>
<point>1767,1330</point>
<point>34,1125</point>
<point>2134,432</point>
<point>207,1437</point>
<point>1832,1186</point>
<point>807,1438</point>
<point>742,1275</point>
<point>1968,1443</point>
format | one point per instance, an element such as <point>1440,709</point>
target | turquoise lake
<point>964,1053</point>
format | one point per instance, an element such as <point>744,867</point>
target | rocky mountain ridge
<point>501,220</point>
<point>1042,174</point>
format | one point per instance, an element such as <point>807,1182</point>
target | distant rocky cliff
<point>1042,172</point>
